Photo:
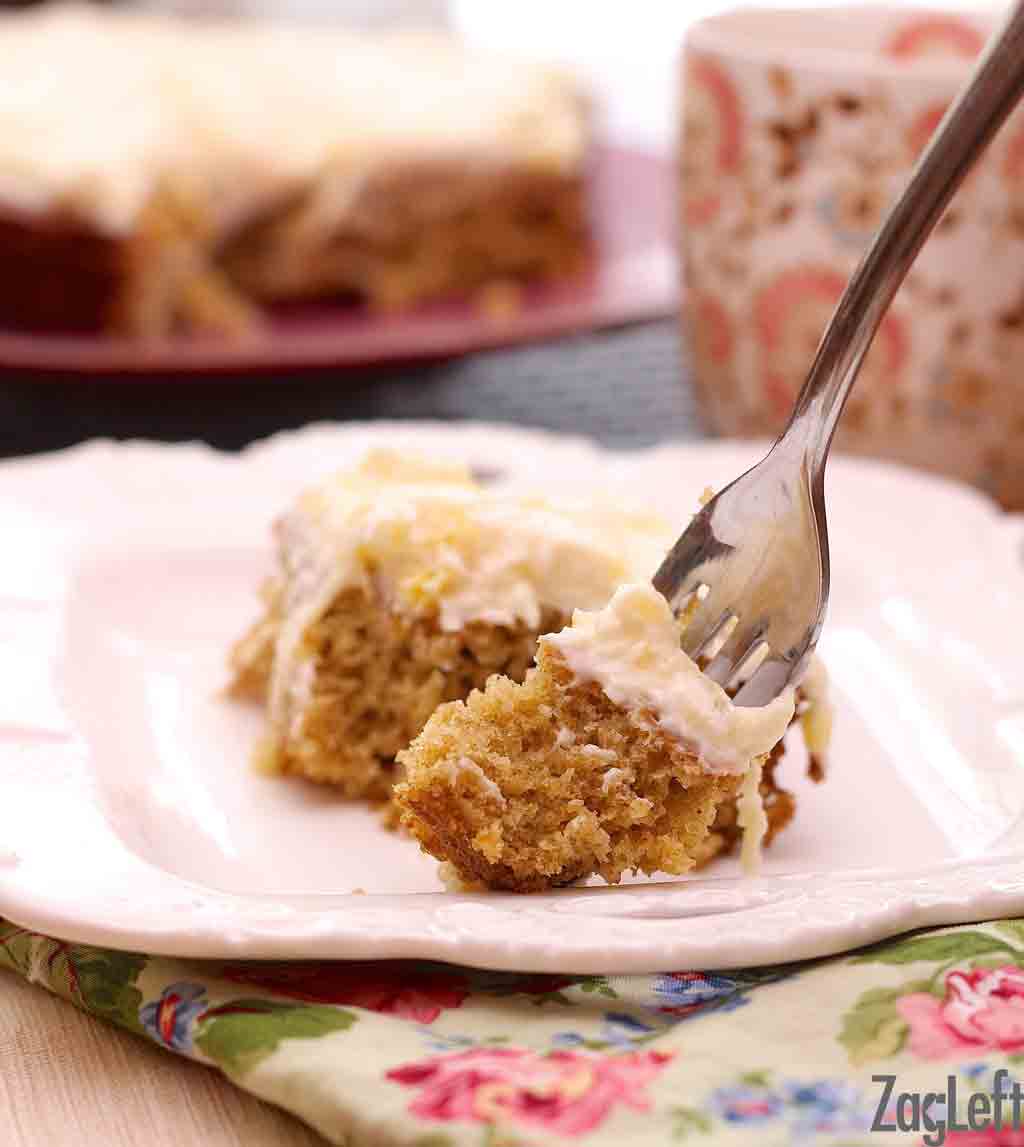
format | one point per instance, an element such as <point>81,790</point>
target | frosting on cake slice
<point>631,648</point>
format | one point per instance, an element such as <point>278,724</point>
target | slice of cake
<point>403,584</point>
<point>160,175</point>
<point>613,755</point>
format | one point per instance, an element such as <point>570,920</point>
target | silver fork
<point>751,573</point>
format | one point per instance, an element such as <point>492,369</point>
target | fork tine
<point>729,668</point>
<point>703,640</point>
<point>748,578</point>
<point>766,683</point>
<point>752,660</point>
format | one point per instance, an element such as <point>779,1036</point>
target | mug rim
<point>721,34</point>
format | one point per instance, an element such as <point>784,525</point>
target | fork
<point>750,575</point>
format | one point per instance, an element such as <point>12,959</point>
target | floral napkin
<point>431,1055</point>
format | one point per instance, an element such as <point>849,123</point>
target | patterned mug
<point>799,128</point>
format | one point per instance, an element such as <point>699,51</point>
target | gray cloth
<point>624,387</point>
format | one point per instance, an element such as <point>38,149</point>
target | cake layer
<point>431,228</point>
<point>370,679</point>
<point>60,273</point>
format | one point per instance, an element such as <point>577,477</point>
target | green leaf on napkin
<point>240,1034</point>
<point>686,1120</point>
<point>16,948</point>
<point>873,1028</point>
<point>598,985</point>
<point>937,949</point>
<point>105,981</point>
<point>759,1078</point>
<point>100,981</point>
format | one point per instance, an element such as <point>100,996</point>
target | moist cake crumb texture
<point>373,676</point>
<point>494,788</point>
<point>577,771</point>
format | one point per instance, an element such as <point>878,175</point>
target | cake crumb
<point>265,757</point>
<point>455,881</point>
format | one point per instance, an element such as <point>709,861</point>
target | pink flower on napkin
<point>983,1008</point>
<point>411,991</point>
<point>566,1093</point>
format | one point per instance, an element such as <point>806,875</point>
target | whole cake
<point>613,755</point>
<point>158,175</point>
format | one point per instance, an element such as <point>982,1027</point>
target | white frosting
<point>631,648</point>
<point>82,123</point>
<point>98,104</point>
<point>425,539</point>
<point>816,715</point>
<point>752,819</point>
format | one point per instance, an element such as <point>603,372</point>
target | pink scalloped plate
<point>632,278</point>
<point>130,815</point>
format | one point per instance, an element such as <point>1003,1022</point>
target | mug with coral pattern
<point>799,127</point>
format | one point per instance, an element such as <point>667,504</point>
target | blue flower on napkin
<point>619,1030</point>
<point>169,1020</point>
<point>680,994</point>
<point>831,1105</point>
<point>746,1103</point>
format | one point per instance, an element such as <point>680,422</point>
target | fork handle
<point>991,93</point>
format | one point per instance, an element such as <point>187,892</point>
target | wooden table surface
<point>68,1080</point>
